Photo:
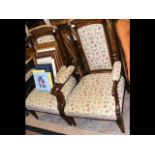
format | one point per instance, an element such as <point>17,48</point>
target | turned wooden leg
<point>73,121</point>
<point>67,119</point>
<point>120,123</point>
<point>127,87</point>
<point>61,106</point>
<point>34,114</point>
<point>119,120</point>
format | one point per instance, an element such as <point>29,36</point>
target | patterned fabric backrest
<point>45,39</point>
<point>95,46</point>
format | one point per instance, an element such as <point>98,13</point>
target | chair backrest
<point>94,38</point>
<point>42,34</point>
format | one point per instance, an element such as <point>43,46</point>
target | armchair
<point>99,94</point>
<point>50,102</point>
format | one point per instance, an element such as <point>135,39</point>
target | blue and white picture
<point>42,81</point>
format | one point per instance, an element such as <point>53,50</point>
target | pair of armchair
<point>99,94</point>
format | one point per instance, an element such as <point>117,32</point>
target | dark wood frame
<point>71,49</point>
<point>114,54</point>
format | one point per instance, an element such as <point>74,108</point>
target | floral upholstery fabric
<point>92,97</point>
<point>28,75</point>
<point>60,73</point>
<point>45,39</point>
<point>95,46</point>
<point>64,73</point>
<point>116,71</point>
<point>45,102</point>
<point>69,86</point>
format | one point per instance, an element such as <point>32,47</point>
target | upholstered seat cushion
<point>42,101</point>
<point>45,102</point>
<point>92,97</point>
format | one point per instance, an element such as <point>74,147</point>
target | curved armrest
<point>62,77</point>
<point>114,88</point>
<point>116,71</point>
<point>64,74</point>
<point>116,74</point>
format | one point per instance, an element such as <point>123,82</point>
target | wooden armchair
<point>46,42</point>
<point>53,102</point>
<point>100,93</point>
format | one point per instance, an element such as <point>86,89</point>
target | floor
<point>30,132</point>
<point>84,126</point>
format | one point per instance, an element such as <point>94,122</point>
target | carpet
<point>84,126</point>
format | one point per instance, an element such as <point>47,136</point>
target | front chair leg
<point>34,114</point>
<point>73,121</point>
<point>62,113</point>
<point>61,105</point>
<point>67,119</point>
<point>120,123</point>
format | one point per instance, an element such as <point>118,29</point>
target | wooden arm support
<point>58,86</point>
<point>114,88</point>
<point>56,91</point>
<point>116,73</point>
<point>115,94</point>
<point>118,111</point>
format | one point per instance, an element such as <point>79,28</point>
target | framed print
<point>50,57</point>
<point>43,81</point>
<point>48,60</point>
<point>47,68</point>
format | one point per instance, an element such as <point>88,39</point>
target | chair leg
<point>120,123</point>
<point>73,121</point>
<point>67,119</point>
<point>61,106</point>
<point>34,114</point>
<point>127,87</point>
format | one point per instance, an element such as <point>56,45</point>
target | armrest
<point>62,77</point>
<point>116,71</point>
<point>64,74</point>
<point>28,75</point>
<point>116,74</point>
